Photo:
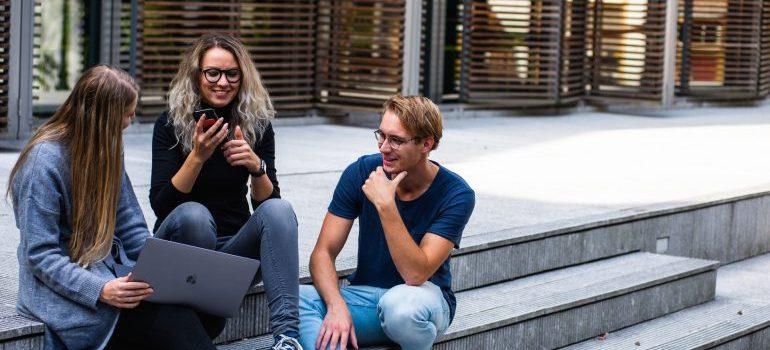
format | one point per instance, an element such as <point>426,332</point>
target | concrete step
<point>721,324</point>
<point>17,332</point>
<point>477,262</point>
<point>719,228</point>
<point>562,307</point>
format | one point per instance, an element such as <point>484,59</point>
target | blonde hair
<point>419,116</point>
<point>90,125</point>
<point>253,108</point>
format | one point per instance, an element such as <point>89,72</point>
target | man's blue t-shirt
<point>443,210</point>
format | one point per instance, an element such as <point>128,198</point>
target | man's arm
<point>338,324</point>
<point>416,264</point>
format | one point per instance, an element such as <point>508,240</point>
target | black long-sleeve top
<point>220,187</point>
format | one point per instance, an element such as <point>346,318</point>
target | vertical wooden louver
<point>742,47</point>
<point>511,52</point>
<point>278,34</point>
<point>764,58</point>
<point>626,48</point>
<point>572,78</point>
<point>5,38</point>
<point>720,48</point>
<point>125,45</point>
<point>360,52</point>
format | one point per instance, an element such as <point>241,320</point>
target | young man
<point>411,212</point>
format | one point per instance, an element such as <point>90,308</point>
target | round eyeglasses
<point>395,142</point>
<point>213,75</point>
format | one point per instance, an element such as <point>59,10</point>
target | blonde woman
<point>201,173</point>
<point>79,221</point>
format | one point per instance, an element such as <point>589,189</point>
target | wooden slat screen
<point>742,48</point>
<point>5,38</point>
<point>573,51</point>
<point>764,68</point>
<point>722,46</point>
<point>279,35</point>
<point>125,53</point>
<point>360,52</point>
<point>512,52</point>
<point>626,48</point>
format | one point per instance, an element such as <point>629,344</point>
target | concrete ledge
<point>27,343</point>
<point>739,221</point>
<point>563,328</point>
<point>530,297</point>
<point>561,307</point>
<point>757,340</point>
<point>474,268</point>
<point>719,227</point>
<point>13,326</point>
<point>720,324</point>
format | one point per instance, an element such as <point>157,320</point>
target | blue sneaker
<point>286,343</point>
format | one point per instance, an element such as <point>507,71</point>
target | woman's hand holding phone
<point>239,153</point>
<point>205,141</point>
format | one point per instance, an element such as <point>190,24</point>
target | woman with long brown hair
<point>201,174</point>
<point>79,222</point>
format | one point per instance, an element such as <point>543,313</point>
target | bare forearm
<point>261,187</point>
<point>410,260</point>
<point>325,278</point>
<point>184,179</point>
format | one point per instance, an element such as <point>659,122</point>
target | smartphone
<point>211,117</point>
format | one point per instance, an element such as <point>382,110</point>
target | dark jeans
<point>161,326</point>
<point>270,235</point>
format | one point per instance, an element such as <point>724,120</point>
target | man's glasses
<point>214,74</point>
<point>395,142</point>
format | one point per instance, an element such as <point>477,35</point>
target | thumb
<point>238,133</point>
<point>399,177</point>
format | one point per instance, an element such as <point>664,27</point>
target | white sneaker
<point>286,343</point>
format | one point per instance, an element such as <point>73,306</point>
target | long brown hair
<point>90,125</point>
<point>252,109</point>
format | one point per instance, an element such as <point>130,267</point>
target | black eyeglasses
<point>395,142</point>
<point>214,74</point>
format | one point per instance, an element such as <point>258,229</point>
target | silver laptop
<point>206,280</point>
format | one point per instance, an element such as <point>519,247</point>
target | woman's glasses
<point>214,74</point>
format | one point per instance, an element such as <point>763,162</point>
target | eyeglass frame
<point>220,73</point>
<point>390,139</point>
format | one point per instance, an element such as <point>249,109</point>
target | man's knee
<point>194,225</point>
<point>403,303</point>
<point>404,309</point>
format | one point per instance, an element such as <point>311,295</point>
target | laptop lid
<point>206,280</point>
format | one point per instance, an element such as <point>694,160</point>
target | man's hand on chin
<point>380,190</point>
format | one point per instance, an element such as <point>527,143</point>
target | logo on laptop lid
<point>191,279</point>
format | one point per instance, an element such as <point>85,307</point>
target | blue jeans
<point>410,316</point>
<point>270,235</point>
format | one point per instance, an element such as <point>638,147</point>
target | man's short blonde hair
<point>419,116</point>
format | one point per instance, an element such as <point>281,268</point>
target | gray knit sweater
<point>52,289</point>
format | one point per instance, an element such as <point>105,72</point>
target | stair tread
<point>697,327</point>
<point>533,296</point>
<point>524,298</point>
